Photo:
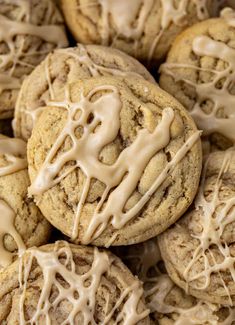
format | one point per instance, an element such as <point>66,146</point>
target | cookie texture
<point>144,29</point>
<point>168,303</point>
<point>174,306</point>
<point>116,162</point>
<point>199,72</point>
<point>22,224</point>
<point>198,251</point>
<point>48,80</point>
<point>71,284</point>
<point>29,31</point>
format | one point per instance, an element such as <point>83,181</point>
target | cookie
<point>199,73</point>
<point>168,303</point>
<point>28,31</point>
<point>198,251</point>
<point>115,162</point>
<point>22,224</point>
<point>176,307</point>
<point>62,283</point>
<point>144,29</point>
<point>48,80</point>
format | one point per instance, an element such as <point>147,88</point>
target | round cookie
<point>28,31</point>
<point>67,284</point>
<point>116,162</point>
<point>168,303</point>
<point>199,72</point>
<point>22,224</point>
<point>144,29</point>
<point>48,80</point>
<point>199,250</point>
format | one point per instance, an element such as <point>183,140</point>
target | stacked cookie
<point>111,213</point>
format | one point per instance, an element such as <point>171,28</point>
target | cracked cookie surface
<point>116,162</point>
<point>22,224</point>
<point>199,72</point>
<point>144,29</point>
<point>168,303</point>
<point>198,250</point>
<point>64,283</point>
<point>49,79</point>
<point>29,30</point>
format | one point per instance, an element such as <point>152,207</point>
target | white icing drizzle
<point>9,29</point>
<point>199,314</point>
<point>7,227</point>
<point>171,14</point>
<point>125,13</point>
<point>229,15</point>
<point>212,224</point>
<point>85,151</point>
<point>142,259</point>
<point>95,69</point>
<point>14,152</point>
<point>80,291</point>
<point>177,16</point>
<point>158,286</point>
<point>82,58</point>
<point>221,97</point>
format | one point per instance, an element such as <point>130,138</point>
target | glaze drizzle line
<point>10,29</point>
<point>158,287</point>
<point>14,152</point>
<point>220,97</point>
<point>216,214</point>
<point>81,289</point>
<point>131,163</point>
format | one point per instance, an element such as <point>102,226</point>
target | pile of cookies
<point>117,185</point>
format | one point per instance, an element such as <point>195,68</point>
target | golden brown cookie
<point>67,284</point>
<point>168,303</point>
<point>21,223</point>
<point>199,250</point>
<point>144,29</point>
<point>48,80</point>
<point>180,308</point>
<point>28,31</point>
<point>199,72</point>
<point>115,162</point>
<point>172,306</point>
